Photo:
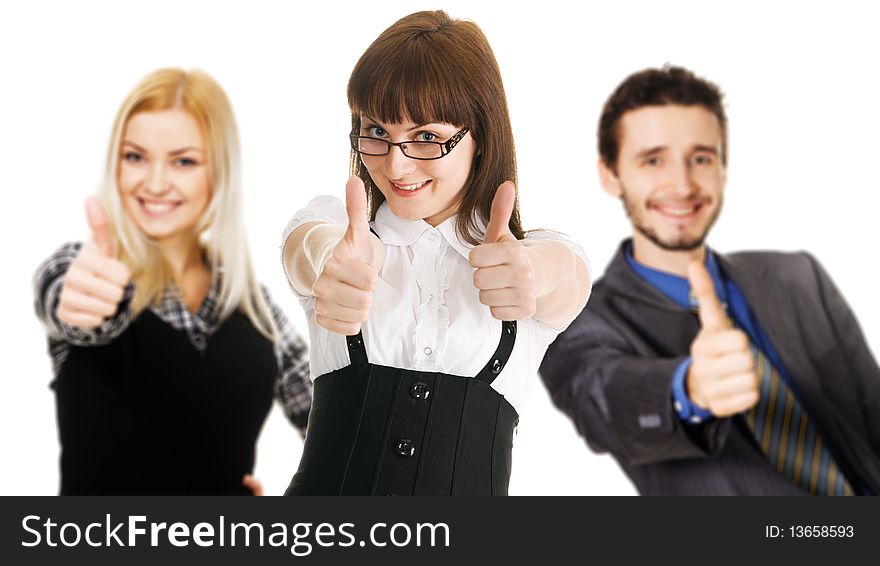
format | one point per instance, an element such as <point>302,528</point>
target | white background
<point>802,96</point>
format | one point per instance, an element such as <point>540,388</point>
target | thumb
<point>358,232</point>
<point>499,216</point>
<point>253,484</point>
<point>100,227</point>
<point>712,315</point>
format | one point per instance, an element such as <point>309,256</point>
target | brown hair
<point>428,67</point>
<point>657,87</point>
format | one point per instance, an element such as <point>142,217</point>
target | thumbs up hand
<point>253,484</point>
<point>504,273</point>
<point>722,376</point>
<point>344,288</point>
<point>96,280</point>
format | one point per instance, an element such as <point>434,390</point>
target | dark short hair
<point>428,67</point>
<point>657,87</point>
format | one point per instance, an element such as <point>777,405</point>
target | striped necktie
<point>788,438</point>
<point>783,430</point>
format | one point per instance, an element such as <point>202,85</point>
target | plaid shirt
<point>292,389</point>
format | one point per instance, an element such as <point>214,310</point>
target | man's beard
<point>679,244</point>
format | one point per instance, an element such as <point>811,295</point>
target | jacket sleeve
<point>619,401</point>
<point>851,340</point>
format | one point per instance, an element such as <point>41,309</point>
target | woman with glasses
<point>429,322</point>
<point>167,352</point>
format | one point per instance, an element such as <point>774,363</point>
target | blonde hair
<point>221,228</point>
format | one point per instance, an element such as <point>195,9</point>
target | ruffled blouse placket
<point>432,317</point>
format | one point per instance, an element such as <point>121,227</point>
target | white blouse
<point>426,314</point>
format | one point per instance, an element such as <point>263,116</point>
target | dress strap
<point>502,353</point>
<point>356,349</point>
<point>358,352</point>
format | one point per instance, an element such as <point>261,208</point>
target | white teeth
<point>677,211</point>
<point>409,187</point>
<point>158,208</point>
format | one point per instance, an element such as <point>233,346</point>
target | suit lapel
<point>621,277</point>
<point>659,325</point>
<point>772,307</point>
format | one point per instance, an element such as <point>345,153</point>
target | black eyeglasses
<point>424,150</point>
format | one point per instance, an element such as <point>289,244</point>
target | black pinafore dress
<point>148,414</point>
<point>380,430</point>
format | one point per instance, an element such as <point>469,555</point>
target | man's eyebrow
<point>706,148</point>
<point>651,151</point>
<point>660,148</point>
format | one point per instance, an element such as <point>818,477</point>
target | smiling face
<point>669,176</point>
<point>163,174</point>
<point>417,189</point>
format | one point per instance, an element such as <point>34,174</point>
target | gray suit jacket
<point>611,372</point>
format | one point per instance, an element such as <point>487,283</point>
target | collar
<point>673,286</point>
<point>173,304</point>
<point>396,231</point>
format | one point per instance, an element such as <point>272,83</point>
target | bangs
<point>161,90</point>
<point>412,79</point>
<point>428,68</point>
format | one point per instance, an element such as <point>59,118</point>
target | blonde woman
<point>166,351</point>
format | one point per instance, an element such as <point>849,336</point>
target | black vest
<point>150,414</point>
<point>379,430</point>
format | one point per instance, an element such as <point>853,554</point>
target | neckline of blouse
<point>396,231</point>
